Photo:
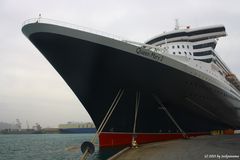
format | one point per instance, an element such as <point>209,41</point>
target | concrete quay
<point>203,147</point>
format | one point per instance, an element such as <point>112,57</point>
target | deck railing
<point>72,26</point>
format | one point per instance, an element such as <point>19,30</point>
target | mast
<point>177,24</point>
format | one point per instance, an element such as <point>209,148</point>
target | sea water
<point>48,147</point>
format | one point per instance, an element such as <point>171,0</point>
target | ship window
<point>173,52</point>
<point>182,46</point>
<point>190,53</point>
<point>178,46</point>
<point>188,46</point>
<point>179,52</point>
<point>185,53</point>
<point>173,47</point>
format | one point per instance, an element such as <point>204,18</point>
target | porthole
<point>179,52</point>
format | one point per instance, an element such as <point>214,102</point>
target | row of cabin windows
<point>184,53</point>
<point>183,46</point>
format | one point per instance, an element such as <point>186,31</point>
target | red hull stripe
<point>110,139</point>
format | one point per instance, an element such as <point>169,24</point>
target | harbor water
<point>47,147</point>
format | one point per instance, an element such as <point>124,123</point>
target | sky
<point>31,90</point>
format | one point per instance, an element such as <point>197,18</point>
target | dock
<point>202,147</point>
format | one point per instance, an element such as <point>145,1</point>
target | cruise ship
<point>174,85</point>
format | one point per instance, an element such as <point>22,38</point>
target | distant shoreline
<point>31,131</point>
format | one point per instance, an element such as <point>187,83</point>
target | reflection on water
<point>72,148</point>
<point>48,147</point>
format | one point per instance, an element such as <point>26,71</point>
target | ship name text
<point>150,54</point>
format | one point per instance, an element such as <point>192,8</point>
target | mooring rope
<point>136,110</point>
<point>169,115</point>
<point>105,120</point>
<point>135,116</point>
<point>109,113</point>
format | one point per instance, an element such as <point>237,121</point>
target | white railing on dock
<point>72,26</point>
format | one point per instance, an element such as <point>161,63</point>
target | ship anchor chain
<point>88,147</point>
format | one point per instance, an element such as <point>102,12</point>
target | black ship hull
<point>95,73</point>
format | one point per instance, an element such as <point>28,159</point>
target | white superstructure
<point>196,48</point>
